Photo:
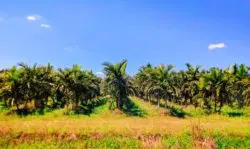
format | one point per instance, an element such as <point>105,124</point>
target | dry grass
<point>125,125</point>
<point>150,129</point>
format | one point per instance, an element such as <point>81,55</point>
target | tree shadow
<point>88,108</point>
<point>21,112</point>
<point>85,109</point>
<point>131,109</point>
<point>43,111</point>
<point>235,114</point>
<point>176,112</point>
<point>173,111</point>
<point>32,111</point>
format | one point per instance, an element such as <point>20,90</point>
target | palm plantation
<point>44,87</point>
<point>152,107</point>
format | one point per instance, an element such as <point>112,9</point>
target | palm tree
<point>163,86</point>
<point>241,83</point>
<point>39,82</point>
<point>117,82</point>
<point>76,86</point>
<point>191,83</point>
<point>178,86</point>
<point>142,80</point>
<point>4,93</point>
<point>12,87</point>
<point>215,83</point>
<point>154,82</point>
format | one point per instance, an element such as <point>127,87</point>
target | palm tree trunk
<point>221,104</point>
<point>191,100</point>
<point>215,102</point>
<point>5,102</point>
<point>166,103</point>
<point>215,106</point>
<point>17,106</point>
<point>119,103</point>
<point>185,101</point>
<point>240,100</point>
<point>25,104</point>
<point>76,102</point>
<point>43,103</point>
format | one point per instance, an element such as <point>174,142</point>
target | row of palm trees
<point>210,89</point>
<point>39,87</point>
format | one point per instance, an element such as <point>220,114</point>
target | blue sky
<point>90,32</point>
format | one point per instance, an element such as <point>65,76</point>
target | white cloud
<point>33,17</point>
<point>45,25</point>
<point>216,46</point>
<point>100,74</point>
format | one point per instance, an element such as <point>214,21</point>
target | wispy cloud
<point>45,25</point>
<point>216,46</point>
<point>33,17</point>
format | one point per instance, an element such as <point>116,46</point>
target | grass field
<point>143,126</point>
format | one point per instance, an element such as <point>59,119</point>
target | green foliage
<point>224,142</point>
<point>104,143</point>
<point>179,141</point>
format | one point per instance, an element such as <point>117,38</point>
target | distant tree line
<point>37,87</point>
